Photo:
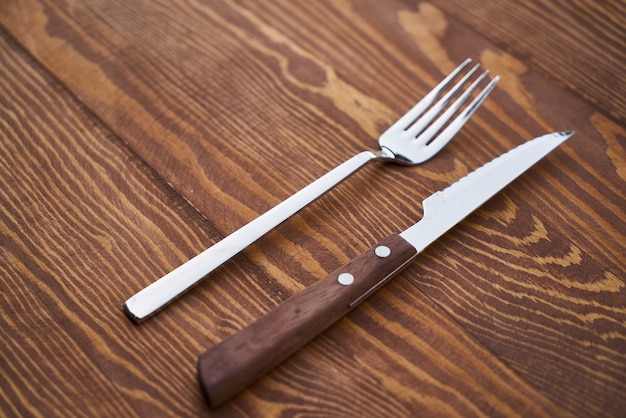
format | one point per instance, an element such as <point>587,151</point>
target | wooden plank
<point>580,45</point>
<point>82,217</point>
<point>237,105</point>
<point>80,214</point>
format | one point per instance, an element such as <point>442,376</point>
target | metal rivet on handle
<point>382,251</point>
<point>345,279</point>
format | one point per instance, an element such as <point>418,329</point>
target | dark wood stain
<point>135,134</point>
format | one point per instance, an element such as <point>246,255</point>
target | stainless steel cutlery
<point>236,362</point>
<point>414,138</point>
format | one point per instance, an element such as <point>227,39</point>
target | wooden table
<point>136,134</point>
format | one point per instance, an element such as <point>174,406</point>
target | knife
<point>244,357</point>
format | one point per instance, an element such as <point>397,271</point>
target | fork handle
<point>158,294</point>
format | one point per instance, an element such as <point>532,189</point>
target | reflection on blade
<point>446,208</point>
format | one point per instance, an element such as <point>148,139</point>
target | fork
<point>413,139</point>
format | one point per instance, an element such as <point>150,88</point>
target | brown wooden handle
<point>232,365</point>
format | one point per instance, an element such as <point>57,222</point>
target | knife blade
<point>244,357</point>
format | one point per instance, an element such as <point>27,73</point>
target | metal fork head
<point>419,134</point>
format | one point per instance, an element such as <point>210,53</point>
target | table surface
<point>136,134</point>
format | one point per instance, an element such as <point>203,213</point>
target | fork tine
<point>423,121</point>
<point>446,135</point>
<point>407,119</point>
<point>429,133</point>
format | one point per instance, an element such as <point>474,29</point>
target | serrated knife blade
<point>244,357</point>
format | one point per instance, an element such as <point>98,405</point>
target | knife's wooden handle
<point>232,365</point>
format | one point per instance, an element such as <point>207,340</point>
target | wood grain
<point>563,44</point>
<point>81,214</point>
<point>83,218</point>
<point>223,109</point>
